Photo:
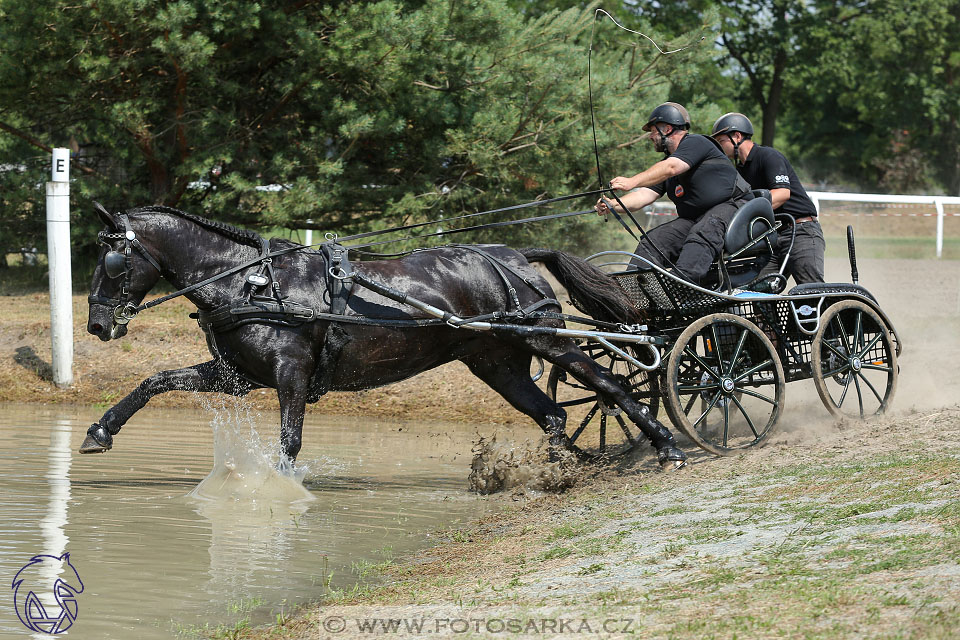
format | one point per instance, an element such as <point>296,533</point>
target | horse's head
<point>125,273</point>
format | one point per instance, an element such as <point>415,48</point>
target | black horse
<point>283,316</point>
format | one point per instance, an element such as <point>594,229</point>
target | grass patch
<point>555,552</point>
<point>565,532</point>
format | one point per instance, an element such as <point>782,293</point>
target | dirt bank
<point>846,531</point>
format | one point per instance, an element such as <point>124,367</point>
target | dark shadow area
<point>27,358</point>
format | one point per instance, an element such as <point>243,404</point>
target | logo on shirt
<point>678,191</point>
<point>782,178</point>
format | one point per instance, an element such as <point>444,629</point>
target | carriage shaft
<point>602,337</point>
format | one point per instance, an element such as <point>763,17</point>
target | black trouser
<point>691,244</point>
<point>806,258</point>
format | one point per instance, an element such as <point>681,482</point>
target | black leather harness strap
<point>337,263</point>
<point>499,266</point>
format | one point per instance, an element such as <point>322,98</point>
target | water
<point>166,542</point>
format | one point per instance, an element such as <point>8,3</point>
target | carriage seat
<point>742,260</point>
<point>750,222</point>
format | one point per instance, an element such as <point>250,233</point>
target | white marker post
<point>308,236</point>
<point>58,258</point>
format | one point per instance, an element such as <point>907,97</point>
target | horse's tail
<point>591,290</point>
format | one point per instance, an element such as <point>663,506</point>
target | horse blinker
<point>114,264</point>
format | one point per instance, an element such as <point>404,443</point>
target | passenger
<point>697,177</point>
<point>766,168</point>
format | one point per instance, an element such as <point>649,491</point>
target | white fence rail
<point>879,198</point>
<point>666,208</point>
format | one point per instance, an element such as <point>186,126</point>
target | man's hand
<point>601,208</point>
<point>625,184</point>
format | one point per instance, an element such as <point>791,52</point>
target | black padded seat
<point>815,288</point>
<point>750,222</point>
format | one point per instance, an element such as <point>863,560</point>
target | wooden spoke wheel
<point>593,426</point>
<point>724,384</point>
<point>854,361</point>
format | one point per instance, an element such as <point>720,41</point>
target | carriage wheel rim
<point>734,380</point>
<point>621,437</point>
<point>855,376</point>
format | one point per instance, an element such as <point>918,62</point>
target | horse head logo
<point>47,575</point>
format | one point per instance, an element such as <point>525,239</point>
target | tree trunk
<point>771,107</point>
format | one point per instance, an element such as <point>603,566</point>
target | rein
<point>533,203</point>
<point>125,311</point>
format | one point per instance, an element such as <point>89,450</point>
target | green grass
<point>555,552</point>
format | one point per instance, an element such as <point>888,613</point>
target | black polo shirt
<point>712,179</point>
<point>767,168</point>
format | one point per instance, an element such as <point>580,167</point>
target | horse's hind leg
<point>508,373</point>
<point>568,356</point>
<point>208,376</point>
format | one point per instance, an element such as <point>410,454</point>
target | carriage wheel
<point>724,384</point>
<point>594,427</point>
<point>854,362</point>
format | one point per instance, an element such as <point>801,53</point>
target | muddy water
<point>168,537</point>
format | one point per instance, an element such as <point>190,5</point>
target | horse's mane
<point>243,236</point>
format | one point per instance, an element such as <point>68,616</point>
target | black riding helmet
<point>670,113</point>
<point>731,122</point>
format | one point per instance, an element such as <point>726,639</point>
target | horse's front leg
<point>292,394</point>
<point>208,376</point>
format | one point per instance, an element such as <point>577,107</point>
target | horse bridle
<point>116,264</point>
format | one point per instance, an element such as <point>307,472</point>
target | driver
<point>767,168</point>
<point>699,179</point>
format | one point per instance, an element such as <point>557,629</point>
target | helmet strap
<point>664,136</point>
<point>736,149</point>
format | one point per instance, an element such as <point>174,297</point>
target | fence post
<point>58,258</point>
<point>939,203</point>
<point>308,236</point>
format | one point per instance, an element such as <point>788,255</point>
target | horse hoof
<point>671,458</point>
<point>285,466</point>
<point>673,465</point>
<point>98,440</point>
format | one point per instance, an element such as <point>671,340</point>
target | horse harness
<point>263,302</point>
<point>273,308</point>
<point>277,310</point>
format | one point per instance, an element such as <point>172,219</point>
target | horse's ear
<point>104,215</point>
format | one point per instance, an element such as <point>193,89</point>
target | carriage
<point>725,353</point>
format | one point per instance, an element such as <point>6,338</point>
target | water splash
<point>500,466</point>
<point>245,468</point>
